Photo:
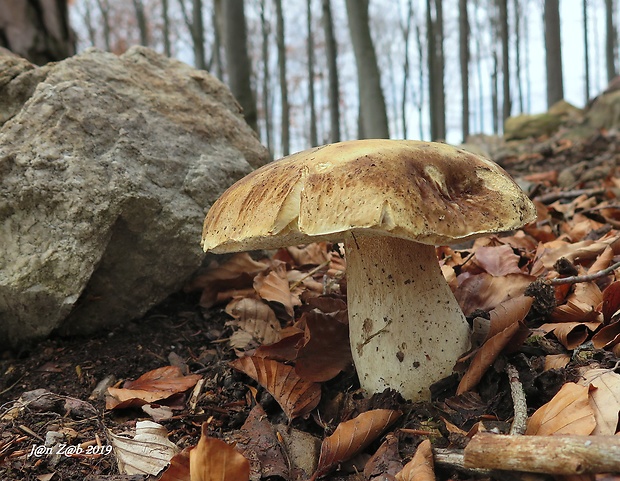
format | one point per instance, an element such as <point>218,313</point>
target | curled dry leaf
<point>178,469</point>
<point>605,399</point>
<point>273,286</point>
<point>421,467</point>
<point>155,385</point>
<point>296,396</point>
<point>214,460</point>
<point>569,412</point>
<point>350,437</point>
<point>570,334</point>
<point>498,260</point>
<point>611,301</point>
<point>311,254</point>
<point>256,318</point>
<point>581,306</point>
<point>508,313</point>
<point>326,351</point>
<point>556,361</point>
<point>483,291</point>
<point>608,337</point>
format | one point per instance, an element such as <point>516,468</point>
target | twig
<point>519,421</point>
<point>571,194</point>
<point>584,278</point>
<point>309,274</point>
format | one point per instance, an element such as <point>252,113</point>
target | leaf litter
<point>278,396</point>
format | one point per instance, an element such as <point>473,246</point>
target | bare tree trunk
<point>166,28</point>
<point>553,48</point>
<point>143,27</point>
<point>217,20</point>
<point>331,53</point>
<point>517,8</point>
<point>196,30</point>
<point>503,23</point>
<point>372,102</point>
<point>38,31</point>
<point>104,8</point>
<point>238,60</point>
<point>406,29</point>
<point>285,132</point>
<point>420,104</point>
<point>266,76</point>
<point>464,61</point>
<point>436,68</point>
<point>87,18</point>
<point>586,45</point>
<point>610,40</point>
<point>494,92</point>
<point>310,44</point>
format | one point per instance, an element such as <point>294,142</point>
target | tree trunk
<point>166,28</point>
<point>406,34</point>
<point>104,8</point>
<point>464,61</point>
<point>196,30</point>
<point>217,23</point>
<point>310,44</point>
<point>420,90</point>
<point>585,50</point>
<point>372,102</point>
<point>238,60</point>
<point>494,93</point>
<point>517,8</point>
<point>285,122</point>
<point>38,31</point>
<point>331,54</point>
<point>610,40</point>
<point>143,27</point>
<point>266,77</point>
<point>553,50</point>
<point>503,23</point>
<point>434,25</point>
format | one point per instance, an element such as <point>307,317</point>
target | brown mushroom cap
<point>426,192</point>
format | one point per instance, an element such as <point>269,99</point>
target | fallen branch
<point>583,278</point>
<point>544,454</point>
<point>519,421</point>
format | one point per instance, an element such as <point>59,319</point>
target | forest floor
<point>559,342</point>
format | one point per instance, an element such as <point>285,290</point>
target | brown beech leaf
<point>583,251</point>
<point>214,460</point>
<point>310,255</point>
<point>351,437</point>
<point>178,469</point>
<point>498,260</point>
<point>486,356</point>
<point>255,317</point>
<point>605,399</point>
<point>509,312</point>
<point>483,291</point>
<point>152,386</point>
<point>421,467</point>
<point>607,337</point>
<point>570,334</point>
<point>568,412</point>
<point>326,351</point>
<point>581,306</point>
<point>556,361</point>
<point>273,286</point>
<point>296,396</point>
<point>611,301</point>
<point>285,349</point>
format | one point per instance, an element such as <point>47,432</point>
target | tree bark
<point>331,53</point>
<point>586,45</point>
<point>238,60</point>
<point>517,9</point>
<point>503,23</point>
<point>143,27</point>
<point>285,132</point>
<point>266,77</point>
<point>165,16</point>
<point>406,34</point>
<point>104,8</point>
<point>38,31</point>
<point>373,113</point>
<point>610,40</point>
<point>464,61</point>
<point>434,25</point>
<point>553,50</point>
<point>196,30</point>
<point>310,45</point>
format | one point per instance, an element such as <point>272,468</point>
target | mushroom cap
<point>427,192</point>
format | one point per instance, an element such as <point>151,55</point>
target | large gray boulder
<point>107,166</point>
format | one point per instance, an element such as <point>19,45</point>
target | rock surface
<point>107,167</point>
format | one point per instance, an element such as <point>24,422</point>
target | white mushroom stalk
<point>405,326</point>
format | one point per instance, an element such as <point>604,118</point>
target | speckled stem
<point>406,328</point>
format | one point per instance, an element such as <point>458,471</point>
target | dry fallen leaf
<point>296,396</point>
<point>498,260</point>
<point>350,437</point>
<point>605,399</point>
<point>214,460</point>
<point>148,452</point>
<point>273,286</point>
<point>152,386</point>
<point>178,469</point>
<point>256,318</point>
<point>483,291</point>
<point>611,301</point>
<point>421,466</point>
<point>568,412</point>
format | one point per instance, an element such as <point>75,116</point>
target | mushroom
<point>392,202</point>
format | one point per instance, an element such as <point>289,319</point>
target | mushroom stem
<point>406,328</point>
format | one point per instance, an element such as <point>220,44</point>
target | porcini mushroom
<point>391,201</point>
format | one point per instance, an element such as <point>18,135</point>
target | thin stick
<point>309,274</point>
<point>519,421</point>
<point>584,278</point>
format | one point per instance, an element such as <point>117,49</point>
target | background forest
<point>315,71</point>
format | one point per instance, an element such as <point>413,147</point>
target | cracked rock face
<point>107,167</point>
